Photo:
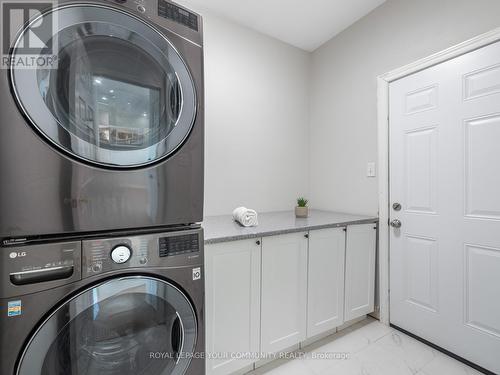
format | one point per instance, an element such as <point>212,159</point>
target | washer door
<point>127,326</point>
<point>120,96</point>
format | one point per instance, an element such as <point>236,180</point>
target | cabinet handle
<point>257,242</point>
<point>306,235</point>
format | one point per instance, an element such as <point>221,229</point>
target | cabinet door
<point>284,291</point>
<point>232,303</point>
<point>360,270</point>
<point>325,305</point>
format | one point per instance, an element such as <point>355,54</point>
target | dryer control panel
<point>167,14</point>
<point>177,14</point>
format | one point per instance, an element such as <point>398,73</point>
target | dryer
<point>109,135</point>
<point>124,305</point>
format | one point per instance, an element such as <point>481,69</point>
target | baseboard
<point>351,323</point>
<point>314,339</point>
<point>244,370</point>
<point>266,361</point>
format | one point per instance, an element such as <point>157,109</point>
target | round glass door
<point>127,326</point>
<point>120,94</point>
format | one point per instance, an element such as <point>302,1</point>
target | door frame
<point>383,82</point>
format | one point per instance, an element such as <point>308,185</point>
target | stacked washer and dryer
<point>101,193</point>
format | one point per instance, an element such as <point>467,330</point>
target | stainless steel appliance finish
<point>113,138</point>
<point>72,308</point>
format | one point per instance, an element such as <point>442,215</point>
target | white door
<point>284,291</point>
<point>445,173</point>
<point>360,270</point>
<point>325,296</point>
<point>232,272</point>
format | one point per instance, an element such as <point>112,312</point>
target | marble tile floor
<point>371,349</point>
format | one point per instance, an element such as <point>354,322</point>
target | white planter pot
<point>301,212</point>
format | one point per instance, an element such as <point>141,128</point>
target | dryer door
<point>116,93</point>
<point>126,326</point>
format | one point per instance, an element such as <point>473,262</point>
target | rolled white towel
<point>245,216</point>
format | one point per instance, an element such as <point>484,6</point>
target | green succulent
<point>302,202</point>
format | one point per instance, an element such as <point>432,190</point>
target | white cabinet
<point>284,291</point>
<point>267,295</point>
<point>360,270</point>
<point>232,303</point>
<point>325,305</point>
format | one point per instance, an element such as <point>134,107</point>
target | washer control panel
<point>28,268</point>
<point>171,249</point>
<point>170,246</point>
<point>120,254</point>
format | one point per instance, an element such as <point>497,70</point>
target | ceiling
<point>306,24</point>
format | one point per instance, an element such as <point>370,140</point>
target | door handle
<point>177,338</point>
<point>396,223</point>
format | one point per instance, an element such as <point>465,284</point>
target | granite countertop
<point>223,228</point>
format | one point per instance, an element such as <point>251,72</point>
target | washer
<point>109,306</point>
<point>105,131</point>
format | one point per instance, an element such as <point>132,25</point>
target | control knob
<point>121,254</point>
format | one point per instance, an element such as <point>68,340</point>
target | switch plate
<point>370,170</point>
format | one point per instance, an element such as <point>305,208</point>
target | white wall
<point>343,132</point>
<point>256,119</point>
<point>282,123</point>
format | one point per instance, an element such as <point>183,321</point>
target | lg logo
<point>19,254</point>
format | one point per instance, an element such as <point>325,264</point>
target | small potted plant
<point>302,210</point>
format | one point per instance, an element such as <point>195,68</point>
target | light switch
<point>370,169</point>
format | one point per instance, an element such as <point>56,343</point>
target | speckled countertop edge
<point>223,229</point>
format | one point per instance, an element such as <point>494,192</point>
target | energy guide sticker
<point>14,308</point>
